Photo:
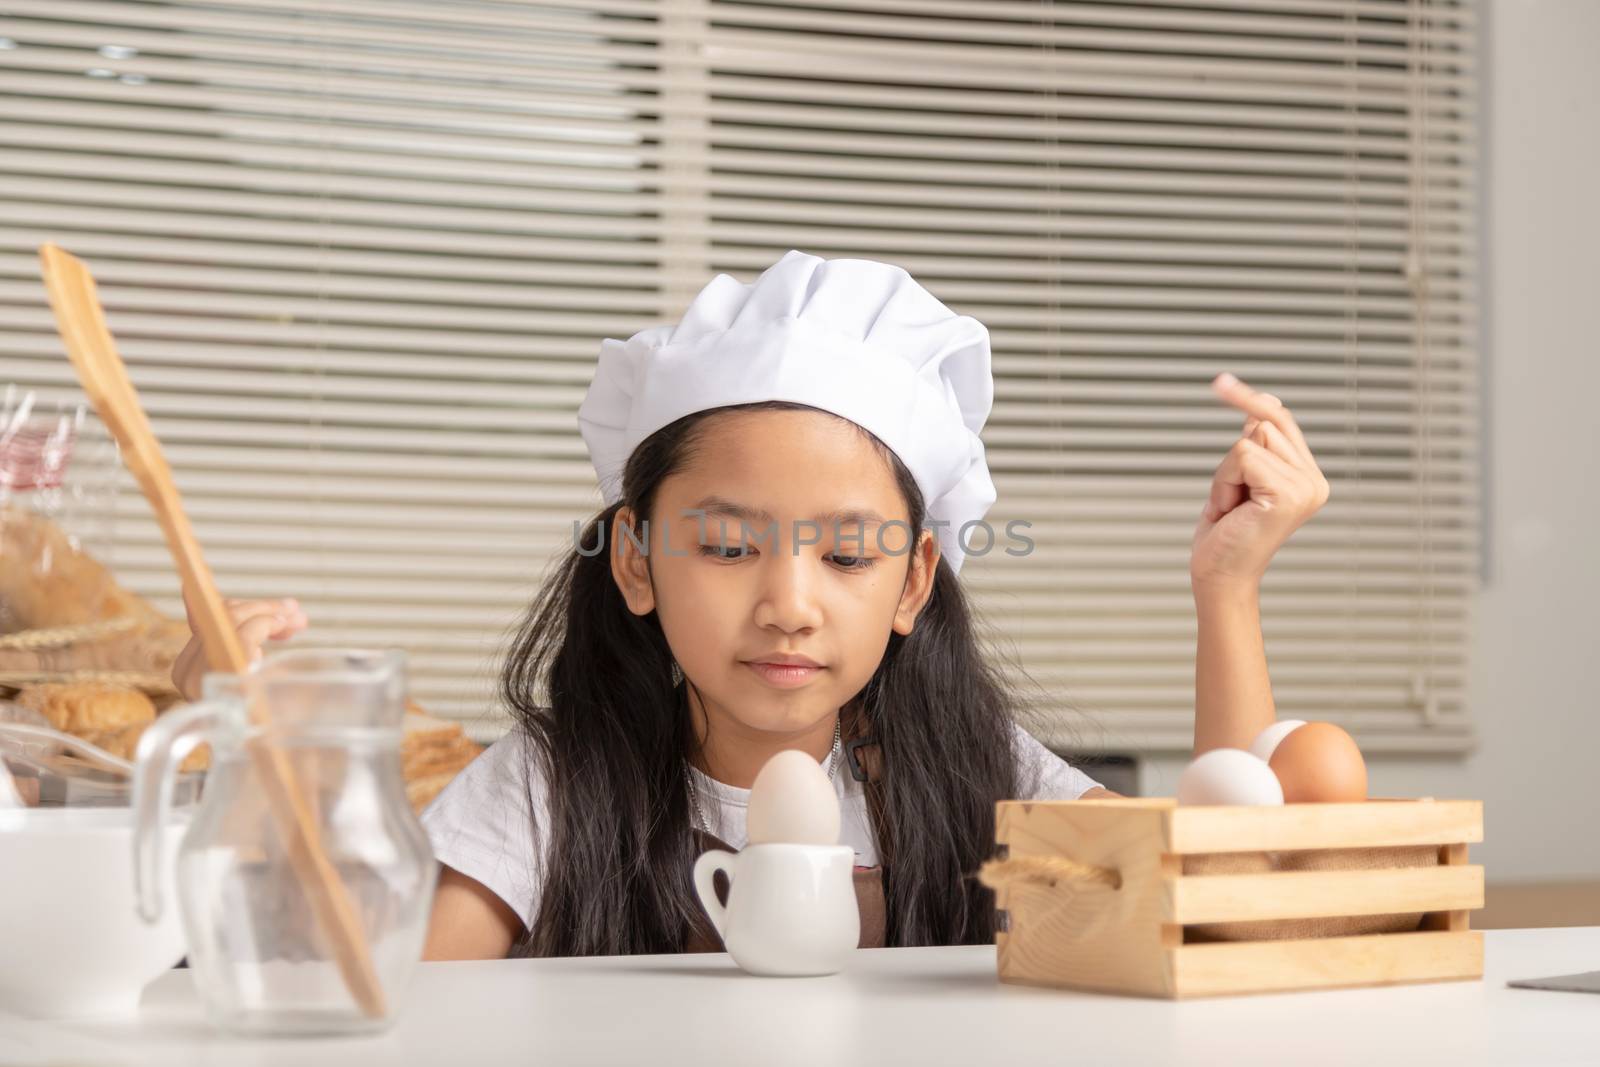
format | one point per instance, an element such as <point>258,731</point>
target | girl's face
<point>778,540</point>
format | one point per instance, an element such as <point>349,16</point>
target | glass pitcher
<point>262,960</point>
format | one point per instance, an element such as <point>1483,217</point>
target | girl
<point>788,473</point>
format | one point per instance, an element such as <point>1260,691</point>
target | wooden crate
<point>1131,938</point>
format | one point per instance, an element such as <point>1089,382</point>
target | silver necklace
<point>694,794</point>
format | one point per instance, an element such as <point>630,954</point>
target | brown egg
<point>1320,763</point>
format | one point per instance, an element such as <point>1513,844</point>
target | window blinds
<point>359,255</point>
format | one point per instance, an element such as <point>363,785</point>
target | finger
<point>288,626</point>
<point>1229,488</point>
<point>1258,405</point>
<point>1223,498</point>
<point>1310,476</point>
<point>1285,424</point>
<point>1271,438</point>
<point>185,667</point>
<point>291,614</point>
<point>255,633</point>
<point>1247,472</point>
<point>240,611</point>
<point>1263,406</point>
<point>243,611</point>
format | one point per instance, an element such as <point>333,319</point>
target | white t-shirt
<point>484,826</point>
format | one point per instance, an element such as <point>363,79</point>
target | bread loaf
<point>48,581</point>
<point>88,707</point>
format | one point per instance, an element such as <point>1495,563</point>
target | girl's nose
<point>788,600</point>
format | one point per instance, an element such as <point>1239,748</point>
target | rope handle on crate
<point>1045,870</point>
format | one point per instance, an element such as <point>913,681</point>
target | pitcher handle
<point>162,749</point>
<point>705,885</point>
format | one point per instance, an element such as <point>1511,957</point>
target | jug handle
<point>162,749</point>
<point>705,871</point>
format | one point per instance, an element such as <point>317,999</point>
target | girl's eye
<point>733,553</point>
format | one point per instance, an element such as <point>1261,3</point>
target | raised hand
<point>258,621</point>
<point>1264,488</point>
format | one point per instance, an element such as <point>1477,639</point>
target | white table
<point>920,1006</point>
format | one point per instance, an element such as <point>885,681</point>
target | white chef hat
<point>857,338</point>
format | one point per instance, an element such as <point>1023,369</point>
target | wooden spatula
<point>83,329</point>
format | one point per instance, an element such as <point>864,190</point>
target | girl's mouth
<point>785,675</point>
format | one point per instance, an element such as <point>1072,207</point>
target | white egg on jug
<point>1266,742</point>
<point>792,802</point>
<point>1229,776</point>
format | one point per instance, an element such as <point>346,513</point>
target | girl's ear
<point>919,584</point>
<point>630,567</point>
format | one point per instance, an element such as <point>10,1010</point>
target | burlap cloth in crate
<point>1336,859</point>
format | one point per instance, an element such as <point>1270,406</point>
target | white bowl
<point>71,939</point>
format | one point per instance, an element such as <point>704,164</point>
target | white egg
<point>1266,742</point>
<point>1229,776</point>
<point>792,802</point>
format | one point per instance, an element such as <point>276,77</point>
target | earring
<point>677,674</point>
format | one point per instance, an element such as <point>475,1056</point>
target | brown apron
<point>869,899</point>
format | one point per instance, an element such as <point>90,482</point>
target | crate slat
<point>1320,894</point>
<point>1372,824</point>
<point>1324,963</point>
<point>1461,918</point>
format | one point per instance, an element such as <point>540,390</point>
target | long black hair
<point>592,685</point>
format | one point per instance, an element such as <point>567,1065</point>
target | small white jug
<point>791,909</point>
